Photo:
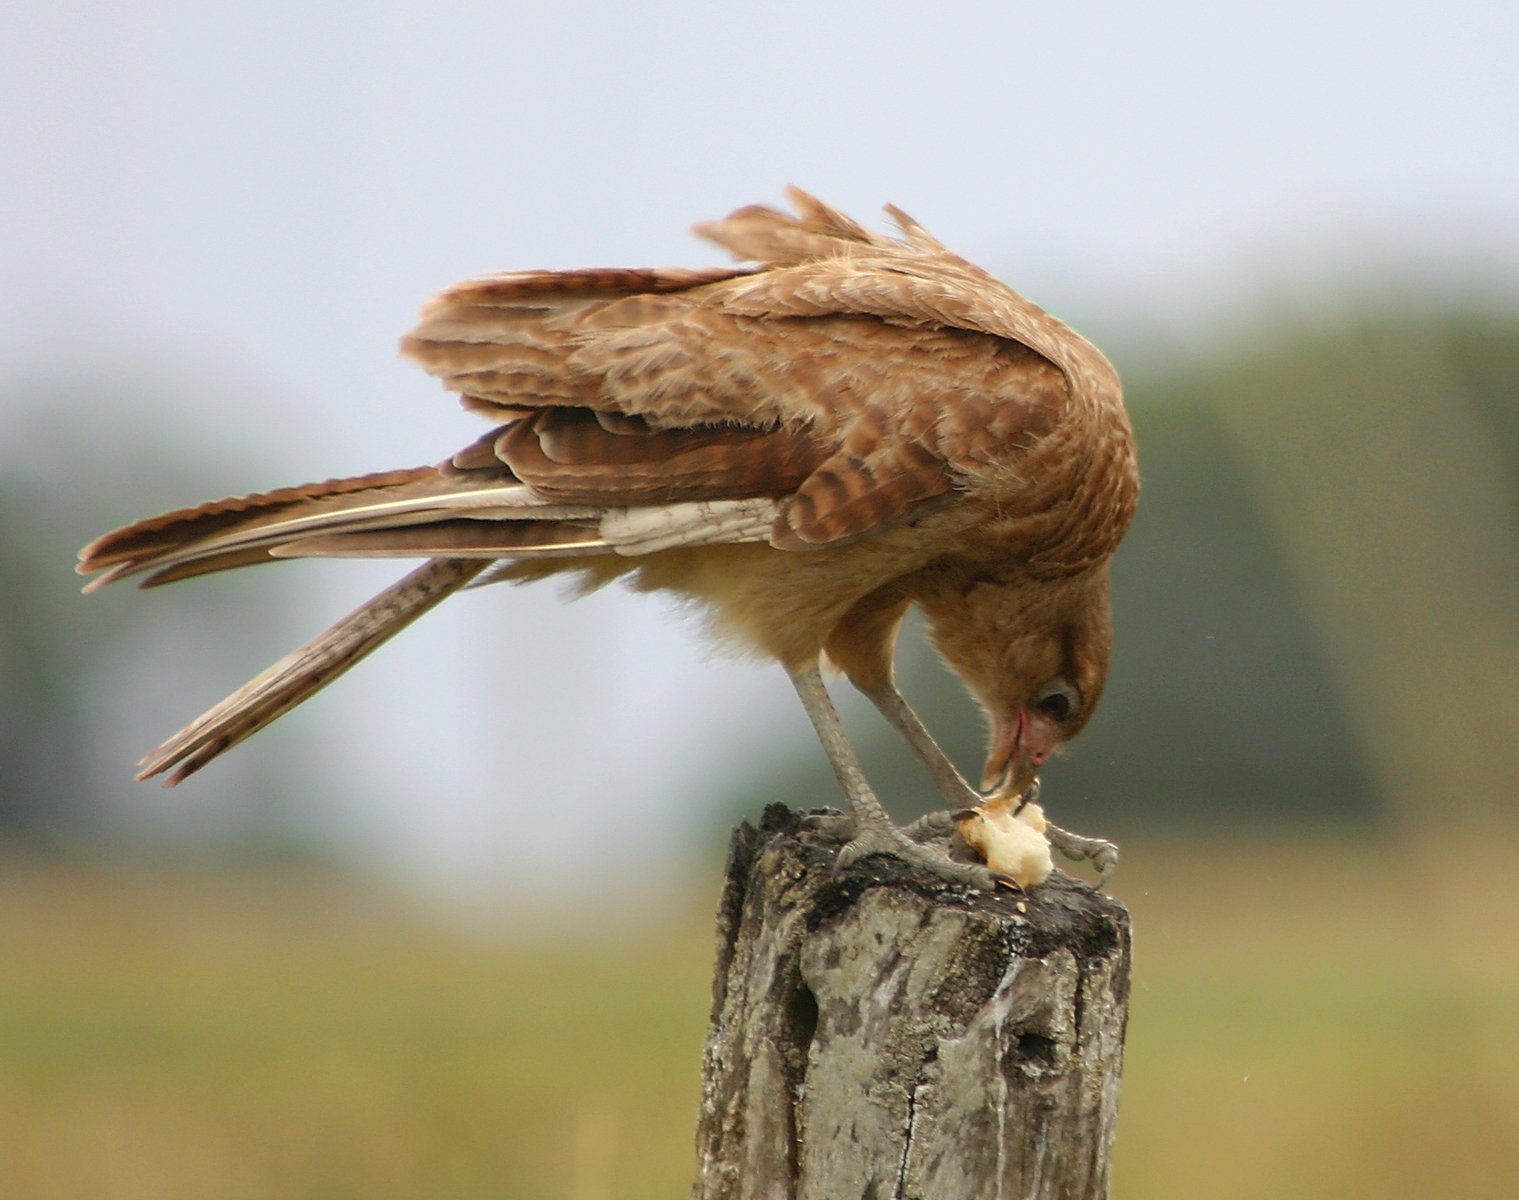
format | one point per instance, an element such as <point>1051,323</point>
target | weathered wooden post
<point>875,1034</point>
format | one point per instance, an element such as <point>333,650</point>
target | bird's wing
<point>836,389</point>
<point>851,377</point>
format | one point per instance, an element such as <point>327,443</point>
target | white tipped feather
<point>285,684</point>
<point>425,541</point>
<point>648,530</point>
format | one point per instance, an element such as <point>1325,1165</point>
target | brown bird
<point>808,447</point>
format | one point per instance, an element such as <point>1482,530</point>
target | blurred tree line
<point>64,784</point>
<point>1316,607</point>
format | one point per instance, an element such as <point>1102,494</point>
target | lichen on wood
<point>875,1033</point>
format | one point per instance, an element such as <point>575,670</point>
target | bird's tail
<point>426,512</point>
<point>308,669</point>
<point>462,522</point>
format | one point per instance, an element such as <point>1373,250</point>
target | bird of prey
<point>807,446</point>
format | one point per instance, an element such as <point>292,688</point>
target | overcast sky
<point>252,200</point>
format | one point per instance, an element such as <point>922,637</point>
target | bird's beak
<point>1007,739</point>
<point>1014,758</point>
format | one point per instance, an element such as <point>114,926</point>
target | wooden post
<point>876,1034</point>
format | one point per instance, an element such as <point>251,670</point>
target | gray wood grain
<point>875,1034</point>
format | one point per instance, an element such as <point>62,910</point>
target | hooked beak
<point>1017,752</point>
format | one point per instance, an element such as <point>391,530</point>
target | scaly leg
<point>894,707</point>
<point>873,831</point>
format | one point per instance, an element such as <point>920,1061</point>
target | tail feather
<point>305,671</point>
<point>199,541</point>
<point>456,539</point>
<point>173,529</point>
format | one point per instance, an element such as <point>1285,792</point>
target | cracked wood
<point>876,1034</point>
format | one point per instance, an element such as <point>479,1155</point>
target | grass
<point>280,1035</point>
<point>1305,1023</point>
<point>1323,1021</point>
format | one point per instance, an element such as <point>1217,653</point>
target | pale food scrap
<point>1013,842</point>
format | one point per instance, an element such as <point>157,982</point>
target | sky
<point>234,210</point>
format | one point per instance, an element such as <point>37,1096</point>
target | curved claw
<point>1103,855</point>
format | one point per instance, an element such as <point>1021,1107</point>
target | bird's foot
<point>930,826</point>
<point>872,838</point>
<point>1103,855</point>
<point>840,826</point>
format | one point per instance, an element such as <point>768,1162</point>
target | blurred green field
<point>1309,1020</point>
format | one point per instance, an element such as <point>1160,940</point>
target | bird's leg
<point>1102,854</point>
<point>873,831</point>
<point>894,707</point>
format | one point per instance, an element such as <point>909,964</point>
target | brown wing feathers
<point>570,455</point>
<point>845,384</point>
<point>629,386</point>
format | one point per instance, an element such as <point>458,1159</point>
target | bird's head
<point>1035,654</point>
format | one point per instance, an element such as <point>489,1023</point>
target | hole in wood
<point>1035,1049</point>
<point>803,1014</point>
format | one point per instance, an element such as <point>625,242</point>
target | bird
<point>839,427</point>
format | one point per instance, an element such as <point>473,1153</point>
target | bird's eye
<point>1058,703</point>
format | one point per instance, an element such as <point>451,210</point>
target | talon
<point>1030,796</point>
<point>850,853</point>
<point>1106,862</point>
<point>985,879</point>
